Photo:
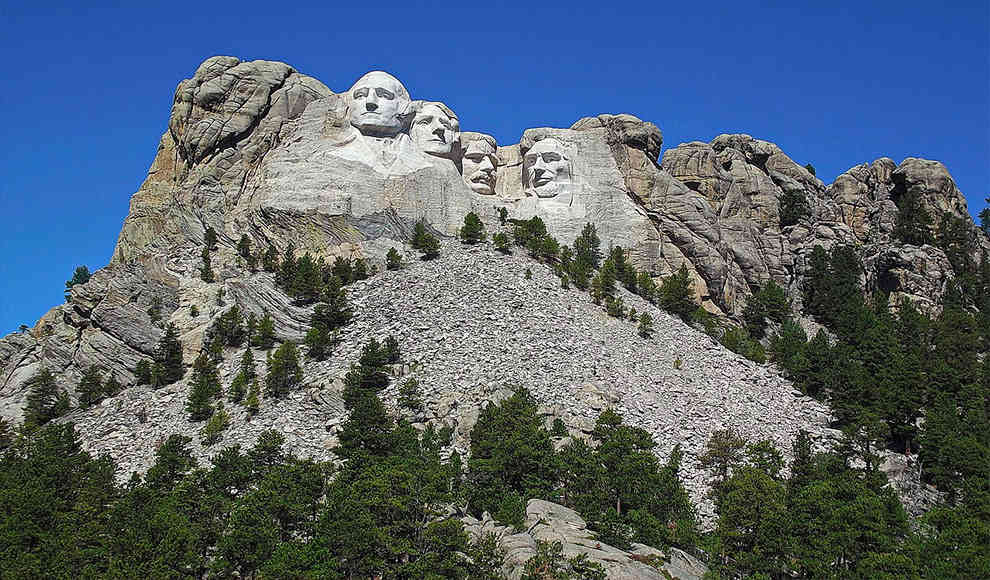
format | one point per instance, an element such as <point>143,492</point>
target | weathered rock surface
<point>550,522</point>
<point>257,148</point>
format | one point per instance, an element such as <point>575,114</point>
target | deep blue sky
<point>86,90</point>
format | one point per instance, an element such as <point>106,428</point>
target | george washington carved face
<point>376,103</point>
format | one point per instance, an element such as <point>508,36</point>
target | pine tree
<point>210,239</point>
<point>393,261</point>
<point>392,351</point>
<point>676,296</point>
<point>334,311</point>
<point>501,241</point>
<point>815,288</point>
<point>419,235</point>
<point>204,387</point>
<point>723,452</point>
<point>430,247</point>
<point>360,271</point>
<point>246,376</point>
<point>410,395</point>
<point>270,260</point>
<point>587,246</point>
<point>306,281</point>
<point>367,430</point>
<point>914,223</point>
<point>142,372</point>
<point>252,403</point>
<point>206,270</point>
<point>81,275</point>
<point>264,337</point>
<point>645,287</point>
<point>112,386</point>
<point>168,355</point>
<point>90,388</point>
<point>645,325</point>
<point>212,432</point>
<point>793,207</point>
<point>473,230</point>
<point>45,401</point>
<point>319,343</point>
<point>284,372</point>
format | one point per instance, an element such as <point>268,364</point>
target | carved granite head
<point>546,166</point>
<point>479,162</point>
<point>377,102</point>
<point>435,128</point>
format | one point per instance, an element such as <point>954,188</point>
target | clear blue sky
<point>87,89</point>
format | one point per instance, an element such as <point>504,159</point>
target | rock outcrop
<point>550,522</point>
<point>259,149</point>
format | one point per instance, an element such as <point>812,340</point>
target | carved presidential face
<point>377,101</point>
<point>434,130</point>
<point>546,167</point>
<point>478,165</point>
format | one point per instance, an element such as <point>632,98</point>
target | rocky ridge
<point>247,152</point>
<point>471,328</point>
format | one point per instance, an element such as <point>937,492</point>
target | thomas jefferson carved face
<point>546,167</point>
<point>434,129</point>
<point>479,163</point>
<point>377,101</point>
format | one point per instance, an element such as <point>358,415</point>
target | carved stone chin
<point>479,162</point>
<point>546,167</point>
<point>435,129</point>
<point>376,104</point>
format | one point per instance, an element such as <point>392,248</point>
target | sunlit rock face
<point>260,149</point>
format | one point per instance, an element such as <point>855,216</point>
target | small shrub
<point>155,310</point>
<point>193,310</point>
<point>430,247</point>
<point>212,432</point>
<point>615,307</point>
<point>528,274</point>
<point>473,230</point>
<point>677,363</point>
<point>502,243</point>
<point>393,261</point>
<point>410,396</point>
<point>645,325</point>
<point>633,316</point>
<point>558,429</point>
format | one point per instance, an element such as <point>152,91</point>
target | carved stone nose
<point>371,106</point>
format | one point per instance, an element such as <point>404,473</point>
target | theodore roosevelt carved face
<point>435,129</point>
<point>377,102</point>
<point>479,162</point>
<point>546,167</point>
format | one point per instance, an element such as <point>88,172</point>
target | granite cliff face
<point>260,149</point>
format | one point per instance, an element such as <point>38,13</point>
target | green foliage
<point>419,235</point>
<point>793,207</point>
<point>740,342</point>
<point>90,389</point>
<point>284,373</point>
<point>430,248</point>
<point>810,168</point>
<point>319,344</point>
<point>228,329</point>
<point>615,307</point>
<point>245,377</point>
<point>768,302</point>
<point>212,432</point>
<point>167,358</point>
<point>142,372</point>
<point>410,395</point>
<point>44,401</point>
<point>914,223</point>
<point>587,248</point>
<point>155,310</point>
<point>549,563</point>
<point>193,310</point>
<point>264,336</point>
<point>204,387</point>
<point>269,261</point>
<point>603,284</point>
<point>645,328</point>
<point>676,295</point>
<point>557,428</point>
<point>473,230</point>
<point>210,239</point>
<point>645,286</point>
<point>511,459</point>
<point>80,275</point>
<point>623,491</point>
<point>502,243</point>
<point>206,270</point>
<point>252,402</point>
<point>528,274</point>
<point>393,261</point>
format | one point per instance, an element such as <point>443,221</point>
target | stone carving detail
<point>547,169</point>
<point>479,162</point>
<point>435,129</point>
<point>377,104</point>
